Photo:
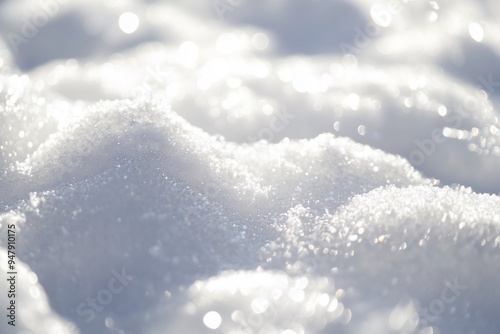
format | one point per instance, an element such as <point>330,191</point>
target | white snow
<point>260,167</point>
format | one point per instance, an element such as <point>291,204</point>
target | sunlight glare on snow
<point>229,43</point>
<point>215,69</point>
<point>352,101</point>
<point>476,31</point>
<point>212,320</point>
<point>260,41</point>
<point>285,73</point>
<point>260,305</point>
<point>380,15</point>
<point>128,22</point>
<point>188,54</point>
<point>362,130</point>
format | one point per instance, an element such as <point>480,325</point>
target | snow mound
<point>31,311</point>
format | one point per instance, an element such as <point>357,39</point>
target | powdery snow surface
<point>280,167</point>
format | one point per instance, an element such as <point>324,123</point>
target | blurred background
<point>416,78</point>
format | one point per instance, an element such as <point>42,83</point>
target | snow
<point>35,307</point>
<point>251,167</point>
